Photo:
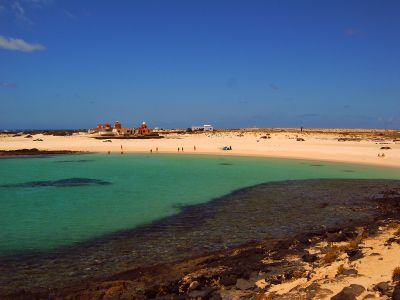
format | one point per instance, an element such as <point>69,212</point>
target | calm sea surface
<point>50,202</point>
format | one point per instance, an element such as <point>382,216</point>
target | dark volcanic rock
<point>243,284</point>
<point>228,280</point>
<point>396,292</point>
<point>34,151</point>
<point>336,237</point>
<point>382,287</point>
<point>349,272</point>
<point>349,293</point>
<point>202,294</point>
<point>392,240</point>
<point>309,257</point>
<point>355,254</point>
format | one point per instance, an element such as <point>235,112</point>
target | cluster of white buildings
<point>203,128</point>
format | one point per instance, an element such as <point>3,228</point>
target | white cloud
<point>19,45</point>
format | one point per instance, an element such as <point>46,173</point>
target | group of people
<point>381,155</point>
<point>151,150</point>
<point>180,149</point>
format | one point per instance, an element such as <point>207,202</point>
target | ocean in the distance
<point>50,202</point>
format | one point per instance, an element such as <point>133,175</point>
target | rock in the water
<point>336,237</point>
<point>201,294</point>
<point>243,284</point>
<point>349,293</point>
<point>216,295</point>
<point>396,292</point>
<point>309,257</point>
<point>228,280</point>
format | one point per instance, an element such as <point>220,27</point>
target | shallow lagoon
<point>40,210</point>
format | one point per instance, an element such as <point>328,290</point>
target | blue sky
<point>72,64</point>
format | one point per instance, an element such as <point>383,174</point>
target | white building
<point>203,128</point>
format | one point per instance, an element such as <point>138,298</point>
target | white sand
<point>317,146</point>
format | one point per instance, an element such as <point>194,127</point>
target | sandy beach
<point>340,145</point>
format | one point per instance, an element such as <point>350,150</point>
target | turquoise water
<point>44,215</point>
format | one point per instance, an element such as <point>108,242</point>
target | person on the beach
<point>182,149</point>
<point>178,149</point>
<point>151,150</point>
<point>194,148</point>
<point>156,149</point>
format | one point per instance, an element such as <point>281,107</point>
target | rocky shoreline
<point>35,151</point>
<point>288,268</point>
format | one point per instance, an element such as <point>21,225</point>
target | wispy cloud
<point>70,15</point>
<point>21,8</point>
<point>19,45</point>
<point>19,12</point>
<point>351,31</point>
<point>274,86</point>
<point>10,85</point>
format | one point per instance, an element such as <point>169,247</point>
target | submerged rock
<point>243,284</point>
